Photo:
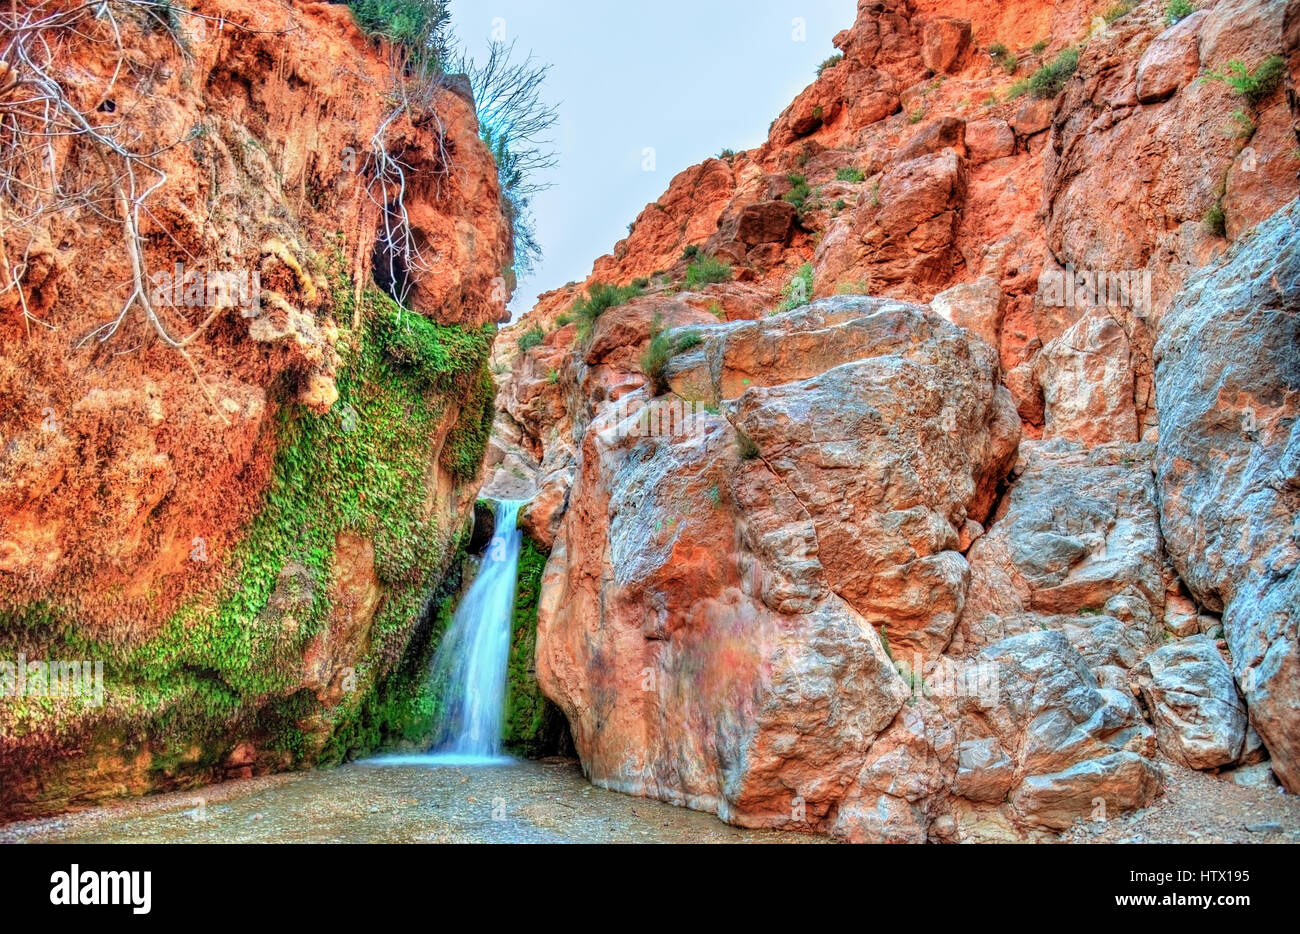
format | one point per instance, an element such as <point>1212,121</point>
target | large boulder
<point>1228,465</point>
<point>712,604</point>
<point>1199,719</point>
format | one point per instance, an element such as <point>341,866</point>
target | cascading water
<point>469,670</point>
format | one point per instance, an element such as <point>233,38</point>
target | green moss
<point>533,725</point>
<point>221,668</point>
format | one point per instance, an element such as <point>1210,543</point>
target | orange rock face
<point>714,601</point>
<point>121,455</point>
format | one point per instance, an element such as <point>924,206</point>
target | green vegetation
<point>531,721</point>
<point>224,665</point>
<point>849,174</point>
<point>839,205</point>
<point>1215,220</point>
<point>600,297</point>
<point>798,291</point>
<point>1179,9</point>
<point>799,191</point>
<point>707,269</point>
<point>1243,127</point>
<point>727,155</point>
<point>692,250</point>
<point>917,114</point>
<point>829,63</point>
<point>853,288</point>
<point>640,282</point>
<point>884,641</point>
<point>1117,10</point>
<point>531,338</point>
<point>715,309</point>
<point>663,347</point>
<point>1039,47</point>
<point>417,25</point>
<point>748,449</point>
<point>1049,80</point>
<point>1255,85</point>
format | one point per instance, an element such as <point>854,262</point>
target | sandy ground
<point>524,802</point>
<point>550,802</point>
<point>1197,807</point>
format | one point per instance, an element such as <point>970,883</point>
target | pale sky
<point>686,78</point>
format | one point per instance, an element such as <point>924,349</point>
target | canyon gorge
<point>927,473</point>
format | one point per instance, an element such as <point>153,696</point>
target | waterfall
<point>469,669</point>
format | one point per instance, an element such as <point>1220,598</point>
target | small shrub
<point>849,175</point>
<point>1124,8</point>
<point>1039,47</point>
<point>839,205</point>
<point>917,115</point>
<point>1179,9</point>
<point>662,348</point>
<point>1049,80</point>
<point>798,291</point>
<point>991,100</point>
<point>691,251</point>
<point>875,193</point>
<point>640,282</point>
<point>1255,85</point>
<point>853,288</point>
<point>531,338</point>
<point>799,191</point>
<point>600,297</point>
<point>553,377</point>
<point>1019,89</point>
<point>829,63</point>
<point>707,269</point>
<point>1010,63</point>
<point>748,449</point>
<point>716,310</point>
<point>727,154</point>
<point>997,50</point>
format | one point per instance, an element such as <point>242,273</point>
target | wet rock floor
<point>546,801</point>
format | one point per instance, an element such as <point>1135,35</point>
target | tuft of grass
<point>640,282</point>
<point>1039,47</point>
<point>692,250</point>
<point>748,449</point>
<point>798,291</point>
<point>849,174</point>
<point>553,377</point>
<point>600,297</point>
<point>853,288</point>
<point>839,205</point>
<point>1254,85</point>
<point>663,347</point>
<point>716,310</point>
<point>1118,10</point>
<point>1243,127</point>
<point>1179,9</point>
<point>829,63</point>
<point>707,269</point>
<point>1010,62</point>
<point>799,191</point>
<point>1049,80</point>
<point>917,115</point>
<point>998,51</point>
<point>531,338</point>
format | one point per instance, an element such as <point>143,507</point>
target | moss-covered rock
<point>309,654</point>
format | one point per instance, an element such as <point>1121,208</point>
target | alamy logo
<point>52,679</point>
<point>1071,288</point>
<point>220,289</point>
<point>103,888</point>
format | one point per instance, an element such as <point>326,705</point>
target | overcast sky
<point>685,78</point>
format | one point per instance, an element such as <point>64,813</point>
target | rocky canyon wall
<point>238,507</point>
<point>960,504</point>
